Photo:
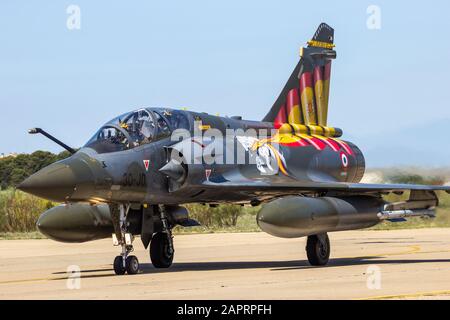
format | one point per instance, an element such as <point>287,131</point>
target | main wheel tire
<point>318,249</point>
<point>118,266</point>
<point>160,251</point>
<point>132,265</point>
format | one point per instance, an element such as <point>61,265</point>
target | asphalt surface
<point>406,264</point>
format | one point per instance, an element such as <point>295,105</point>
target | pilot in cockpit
<point>139,126</point>
<point>146,126</point>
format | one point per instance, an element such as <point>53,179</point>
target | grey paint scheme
<point>88,175</point>
<point>121,177</point>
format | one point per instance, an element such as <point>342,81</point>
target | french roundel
<point>344,160</point>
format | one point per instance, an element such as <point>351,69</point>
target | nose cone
<point>55,182</point>
<point>58,181</point>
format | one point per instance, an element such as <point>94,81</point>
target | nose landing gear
<point>124,262</point>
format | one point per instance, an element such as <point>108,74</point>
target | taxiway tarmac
<point>412,264</point>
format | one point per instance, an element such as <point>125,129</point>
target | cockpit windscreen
<point>124,132</point>
<point>137,128</point>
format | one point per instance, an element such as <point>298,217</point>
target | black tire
<point>318,249</point>
<point>132,265</point>
<point>118,266</point>
<point>160,251</point>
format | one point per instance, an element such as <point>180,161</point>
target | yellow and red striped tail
<point>304,99</point>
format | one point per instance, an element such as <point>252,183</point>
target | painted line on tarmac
<point>411,250</point>
<point>19,281</point>
<point>31,280</point>
<point>408,295</point>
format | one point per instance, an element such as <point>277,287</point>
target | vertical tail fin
<point>304,98</point>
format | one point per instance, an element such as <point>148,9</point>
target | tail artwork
<point>303,102</point>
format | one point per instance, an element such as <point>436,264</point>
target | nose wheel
<point>131,265</point>
<point>119,268</point>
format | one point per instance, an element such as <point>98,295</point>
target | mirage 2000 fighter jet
<point>136,172</point>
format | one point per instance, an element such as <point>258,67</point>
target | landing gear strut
<point>318,249</point>
<point>161,247</point>
<point>124,262</point>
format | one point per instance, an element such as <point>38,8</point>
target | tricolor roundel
<point>146,164</point>
<point>344,160</point>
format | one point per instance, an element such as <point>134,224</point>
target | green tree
<point>225,215</point>
<point>13,170</point>
<point>16,176</point>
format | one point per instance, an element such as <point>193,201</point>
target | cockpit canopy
<point>137,128</point>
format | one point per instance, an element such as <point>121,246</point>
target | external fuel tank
<point>294,216</point>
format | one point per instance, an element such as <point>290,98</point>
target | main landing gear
<point>318,249</point>
<point>161,246</point>
<point>124,262</point>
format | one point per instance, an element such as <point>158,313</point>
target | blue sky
<point>228,57</point>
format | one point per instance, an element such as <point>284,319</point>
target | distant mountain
<point>425,145</point>
<point>385,175</point>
